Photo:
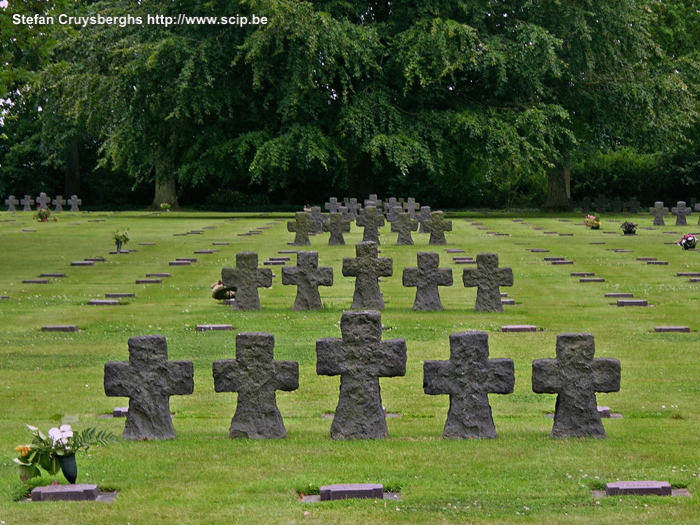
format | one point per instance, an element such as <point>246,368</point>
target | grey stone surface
<point>373,201</point>
<point>318,217</point>
<point>302,225</point>
<point>332,205</point>
<point>423,217</point>
<point>367,267</point>
<point>27,203</point>
<point>307,277</point>
<point>427,277</point>
<point>75,202</point>
<point>392,213</point>
<point>371,219</point>
<point>214,327</point>
<point>148,379</point>
<point>468,378</point>
<point>256,376</point>
<point>352,491</point>
<point>681,211</point>
<point>658,211</point>
<point>575,376</point>
<point>75,492</point>
<point>353,207</point>
<point>246,278</point>
<point>58,203</point>
<point>410,207</point>
<point>519,328</point>
<point>638,488</point>
<point>437,226</point>
<point>360,358</point>
<point>404,225</point>
<point>672,329</point>
<point>488,277</point>
<point>11,202</point>
<point>42,200</point>
<point>60,328</point>
<point>337,225</point>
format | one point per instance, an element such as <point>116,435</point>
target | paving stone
<point>519,328</point>
<point>60,328</point>
<point>632,302</point>
<point>76,492</point>
<point>214,327</point>
<point>672,329</point>
<point>352,491</point>
<point>638,488</point>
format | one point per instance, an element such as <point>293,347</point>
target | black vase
<point>69,467</point>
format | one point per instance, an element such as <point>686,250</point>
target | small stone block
<point>187,259</point>
<point>537,250</point>
<point>679,274</point>
<point>205,251</point>
<point>648,259</point>
<point>147,244</point>
<point>215,327</point>
<point>519,328</point>
<point>352,490</point>
<point>159,275</point>
<point>454,250</point>
<point>274,263</point>
<point>695,280</point>
<point>35,281</point>
<point>632,302</point>
<point>95,259</point>
<point>78,492</point>
<point>672,329</point>
<point>619,294</point>
<point>118,295</point>
<point>622,250</point>
<point>120,412</point>
<point>64,275</point>
<point>82,263</point>
<point>582,274</point>
<point>179,263</point>
<point>289,259</point>
<point>638,488</point>
<point>604,411</point>
<point>104,302</point>
<point>566,235</point>
<point>555,258</point>
<point>596,243</point>
<point>508,302</point>
<point>221,244</point>
<point>661,263</point>
<point>3,297</point>
<point>60,328</point>
<point>29,231</point>
<point>287,251</point>
<point>149,281</point>
<point>465,261</point>
<point>592,280</point>
<point>562,262</point>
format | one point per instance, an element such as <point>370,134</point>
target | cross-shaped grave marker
<point>371,219</point>
<point>632,205</point>
<point>353,207</point>
<point>373,201</point>
<point>360,358</point>
<point>58,203</point>
<point>423,218</point>
<point>426,278</point>
<point>318,217</point>
<point>585,205</point>
<point>391,202</point>
<point>468,378</point>
<point>27,202</point>
<point>307,277</point>
<point>601,204</point>
<point>74,202</point>
<point>659,211</point>
<point>488,277</point>
<point>681,211</point>
<point>410,206</point>
<point>11,202</point>
<point>367,267</point>
<point>404,225</point>
<point>337,224</point>
<point>246,278</point>
<point>616,205</point>
<point>302,225</point>
<point>256,376</point>
<point>332,205</point>
<point>393,212</point>
<point>42,200</point>
<point>148,379</point>
<point>576,377</point>
<point>437,226</point>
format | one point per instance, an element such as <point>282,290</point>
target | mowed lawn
<point>203,477</point>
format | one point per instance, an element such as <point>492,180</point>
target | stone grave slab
<point>562,262</point>
<point>619,295</point>
<point>179,263</point>
<point>592,280</point>
<point>351,491</point>
<point>666,329</point>
<point>95,259</point>
<point>604,412</point>
<point>120,412</point>
<point>632,302</point>
<point>59,275</point>
<point>149,281</point>
<point>688,274</point>
<point>555,258</point>
<point>518,328</point>
<point>159,274</point>
<point>118,295</point>
<point>638,488</point>
<point>508,302</point>
<point>104,302</point>
<point>582,274</point>
<point>221,244</point>
<point>60,328</point>
<point>647,259</point>
<point>488,278</point>
<point>75,492</point>
<point>187,259</point>
<point>214,327</point>
<point>35,281</point>
<point>658,263</point>
<point>83,263</point>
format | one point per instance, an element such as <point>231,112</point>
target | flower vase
<point>44,219</point>
<point>69,467</point>
<point>119,246</point>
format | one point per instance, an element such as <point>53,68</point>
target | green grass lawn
<point>203,477</point>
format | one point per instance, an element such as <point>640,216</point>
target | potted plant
<point>57,450</point>
<point>592,222</point>
<point>43,215</point>
<point>120,237</point>
<point>688,242</point>
<point>629,228</point>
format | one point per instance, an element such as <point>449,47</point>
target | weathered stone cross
<point>11,202</point>
<point>367,267</point>
<point>333,205</point>
<point>423,217</point>
<point>488,277</point>
<point>468,378</point>
<point>302,225</point>
<point>27,202</point>
<point>437,226</point>
<point>404,225</point>
<point>353,207</point>
<point>74,202</point>
<point>337,224</point>
<point>426,278</point>
<point>58,203</point>
<point>371,219</point>
<point>681,211</point>
<point>659,211</point>
<point>307,277</point>
<point>256,376</point>
<point>360,358</point>
<point>42,200</point>
<point>373,201</point>
<point>576,377</point>
<point>148,379</point>
<point>410,207</point>
<point>246,278</point>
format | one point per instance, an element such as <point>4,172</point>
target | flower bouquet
<point>592,222</point>
<point>629,228</point>
<point>688,242</point>
<point>43,215</point>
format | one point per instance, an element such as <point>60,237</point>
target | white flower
<point>55,434</point>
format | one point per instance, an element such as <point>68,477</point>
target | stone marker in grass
<point>148,379</point>
<point>360,358</point>
<point>592,280</point>
<point>302,225</point>
<point>681,211</point>
<point>256,376</point>
<point>468,378</point>
<point>117,295</point>
<point>575,376</point>
<point>367,267</point>
<point>404,225</point>
<point>352,491</point>
<point>337,225</point>
<point>149,281</point>
<point>632,302</point>
<point>422,217</point>
<point>665,329</point>
<point>659,212</point>
<point>120,411</point>
<point>619,294</point>
<point>58,203</point>
<point>488,278</point>
<point>104,302</point>
<point>75,492</point>
<point>307,277</point>
<point>27,203</point>
<point>427,277</point>
<point>332,205</point>
<point>638,488</point>
<point>410,207</point>
<point>83,263</point>
<point>35,281</point>
<point>246,278</point>
<point>371,219</point>
<point>436,226</point>
<point>75,202</point>
<point>60,328</point>
<point>214,328</point>
<point>11,202</point>
<point>42,201</point>
<point>519,328</point>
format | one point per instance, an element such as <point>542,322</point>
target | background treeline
<point>480,103</point>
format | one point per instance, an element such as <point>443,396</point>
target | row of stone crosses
<point>367,268</point>
<point>405,217</point>
<point>42,202</point>
<point>360,358</point>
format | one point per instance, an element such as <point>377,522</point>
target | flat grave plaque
<point>119,294</point>
<point>458,250</point>
<point>591,280</point>
<point>149,281</point>
<point>205,251</point>
<point>519,328</point>
<point>660,263</point>
<point>164,274</point>
<point>77,492</point>
<point>537,250</point>
<point>187,259</point>
<point>104,302</point>
<point>638,488</point>
<point>214,327</point>
<point>64,275</point>
<point>679,274</point>
<point>632,302</point>
<point>95,259</point>
<point>604,412</point>
<point>4,297</point>
<point>221,244</point>
<point>352,490</point>
<point>179,263</point>
<point>147,244</point>
<point>666,329</point>
<point>582,274</point>
<point>647,258</point>
<point>120,412</point>
<point>619,295</point>
<point>35,281</point>
<point>562,262</point>
<point>274,263</point>
<point>508,302</point>
<point>83,263</point>
<point>555,258</point>
<point>60,328</point>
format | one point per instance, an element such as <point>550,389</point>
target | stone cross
<point>11,202</point>
<point>585,205</point>
<point>680,211</point>
<point>360,358</point>
<point>601,204</point>
<point>404,225</point>
<point>391,202</point>
<point>437,226</point>
<point>488,277</point>
<point>333,205</point>
<point>353,207</point>
<point>74,202</point>
<point>426,278</point>
<point>423,217</point>
<point>410,207</point>
<point>393,212</point>
<point>318,217</point>
<point>246,278</point>
<point>302,225</point>
<point>42,200</point>
<point>632,205</point>
<point>148,379</point>
<point>256,376</point>
<point>307,277</point>
<point>373,201</point>
<point>616,205</point>
<point>371,219</point>
<point>367,267</point>
<point>659,211</point>
<point>468,378</point>
<point>576,377</point>
<point>27,202</point>
<point>58,203</point>
<point>337,224</point>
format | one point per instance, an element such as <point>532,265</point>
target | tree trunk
<point>559,189</point>
<point>166,193</point>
